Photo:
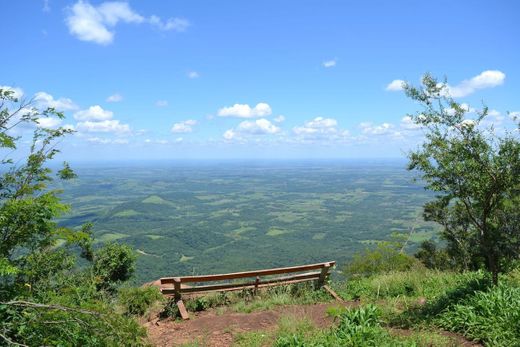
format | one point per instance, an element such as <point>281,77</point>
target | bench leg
<point>182,310</point>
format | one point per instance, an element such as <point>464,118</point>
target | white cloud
<point>46,7</point>
<point>193,74</point>
<point>317,126</point>
<point>17,92</point>
<point>230,134</point>
<point>115,98</point>
<point>106,126</point>
<point>369,128</point>
<point>159,142</point>
<point>184,126</point>
<point>49,122</point>
<point>93,113</point>
<point>96,23</point>
<point>46,100</point>
<point>329,63</point>
<point>279,119</point>
<point>407,123</point>
<point>175,24</point>
<point>252,127</point>
<point>395,85</point>
<point>89,23</point>
<point>514,115</point>
<point>258,127</point>
<point>486,79</point>
<point>245,111</point>
<point>105,141</point>
<point>161,103</point>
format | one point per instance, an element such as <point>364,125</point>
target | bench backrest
<point>314,272</point>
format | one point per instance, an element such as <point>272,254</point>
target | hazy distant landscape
<point>206,217</point>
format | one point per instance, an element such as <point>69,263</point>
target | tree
<point>475,173</point>
<point>387,256</point>
<point>45,297</point>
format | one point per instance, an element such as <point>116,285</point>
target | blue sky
<point>253,79</point>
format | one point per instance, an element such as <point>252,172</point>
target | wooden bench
<point>314,272</point>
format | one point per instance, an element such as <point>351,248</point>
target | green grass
<point>246,301</point>
<point>154,237</point>
<point>185,258</point>
<point>356,327</point>
<point>155,199</point>
<point>108,237</point>
<point>319,236</point>
<point>273,231</point>
<point>465,303</point>
<point>126,213</point>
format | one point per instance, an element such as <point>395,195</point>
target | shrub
<point>386,257</point>
<point>113,263</point>
<point>492,316</point>
<point>136,301</point>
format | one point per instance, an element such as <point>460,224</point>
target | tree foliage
<point>474,169</point>
<point>45,297</point>
<point>385,257</point>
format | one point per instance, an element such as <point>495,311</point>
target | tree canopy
<point>46,298</point>
<point>474,169</point>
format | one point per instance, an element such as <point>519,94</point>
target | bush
<point>113,263</point>
<point>356,327</point>
<point>492,317</point>
<point>136,301</point>
<point>386,257</point>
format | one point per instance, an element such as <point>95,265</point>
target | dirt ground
<point>218,330</point>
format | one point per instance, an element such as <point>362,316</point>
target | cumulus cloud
<point>395,85</point>
<point>193,74</point>
<point>486,79</point>
<point>245,111</point>
<point>93,113</point>
<point>175,24</point>
<point>408,124</point>
<point>115,98</point>
<point>16,92</point>
<point>96,23</point>
<point>317,126</point>
<point>253,127</point>
<point>97,120</point>
<point>184,126</point>
<point>369,128</point>
<point>44,100</point>
<point>161,103</point>
<point>49,122</point>
<point>258,127</point>
<point>279,119</point>
<point>229,134</point>
<point>329,63</point>
<point>106,126</point>
<point>105,141</point>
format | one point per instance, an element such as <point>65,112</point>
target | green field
<point>219,217</point>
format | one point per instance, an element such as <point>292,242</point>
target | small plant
<point>136,301</point>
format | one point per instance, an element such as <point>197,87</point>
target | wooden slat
<point>170,291</point>
<point>245,274</point>
<point>238,286</point>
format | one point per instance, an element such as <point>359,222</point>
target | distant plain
<point>211,217</point>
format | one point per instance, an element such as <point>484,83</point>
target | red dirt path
<point>214,330</point>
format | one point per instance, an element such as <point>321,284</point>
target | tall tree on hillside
<point>474,169</point>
